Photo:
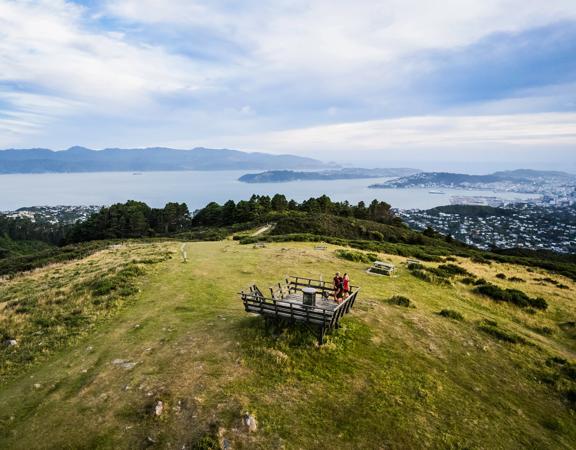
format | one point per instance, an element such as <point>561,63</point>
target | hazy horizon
<point>458,163</point>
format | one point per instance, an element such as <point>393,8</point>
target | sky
<point>422,83</point>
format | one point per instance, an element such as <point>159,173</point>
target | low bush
<point>349,255</point>
<point>427,257</point>
<point>561,374</point>
<point>538,303</point>
<point>448,270</point>
<point>421,275</point>
<point>546,280</point>
<point>490,327</point>
<point>431,276</point>
<point>516,280</point>
<point>400,300</point>
<point>209,234</point>
<point>480,260</point>
<point>556,360</point>
<point>501,276</point>
<point>451,314</point>
<point>514,296</point>
<point>16,264</point>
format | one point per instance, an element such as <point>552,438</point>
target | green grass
<point>390,377</point>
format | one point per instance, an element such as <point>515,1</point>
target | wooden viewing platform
<point>286,302</point>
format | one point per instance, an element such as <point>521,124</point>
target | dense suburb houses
<point>527,226</point>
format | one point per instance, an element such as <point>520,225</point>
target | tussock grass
<point>51,308</point>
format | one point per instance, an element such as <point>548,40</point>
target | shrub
<point>468,280</point>
<point>400,300</point>
<point>516,279</point>
<point>501,276</point>
<point>480,282</point>
<point>432,275</point>
<point>449,270</point>
<point>490,327</point>
<point>538,303</point>
<point>490,290</point>
<point>376,236</point>
<point>414,266</point>
<point>569,371</point>
<point>547,280</point>
<point>556,360</point>
<point>451,314</point>
<point>427,257</point>
<point>13,265</point>
<point>516,297</point>
<point>545,331</point>
<point>570,396</point>
<point>513,296</point>
<point>422,275</point>
<point>480,260</point>
<point>357,256</point>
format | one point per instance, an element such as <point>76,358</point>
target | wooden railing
<point>298,282</point>
<point>254,301</point>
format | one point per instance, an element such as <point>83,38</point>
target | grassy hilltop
<point>101,340</point>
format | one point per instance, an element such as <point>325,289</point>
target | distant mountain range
<point>521,180</point>
<point>281,176</point>
<point>80,159</point>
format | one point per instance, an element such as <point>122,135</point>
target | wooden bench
<point>286,303</point>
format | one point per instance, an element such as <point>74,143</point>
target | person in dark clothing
<point>338,287</point>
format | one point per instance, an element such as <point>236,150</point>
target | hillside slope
<point>391,377</point>
<point>80,159</point>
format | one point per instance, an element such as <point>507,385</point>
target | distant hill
<point>80,159</point>
<point>521,180</point>
<point>282,176</point>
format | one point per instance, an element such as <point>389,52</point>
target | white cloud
<point>47,48</point>
<point>341,35</point>
<point>181,70</point>
<point>444,132</point>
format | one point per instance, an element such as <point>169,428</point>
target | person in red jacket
<point>346,285</point>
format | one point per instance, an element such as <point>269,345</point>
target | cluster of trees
<point>24,229</point>
<point>131,220</point>
<point>260,206</point>
<point>135,219</point>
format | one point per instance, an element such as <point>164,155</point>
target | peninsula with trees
<point>283,176</point>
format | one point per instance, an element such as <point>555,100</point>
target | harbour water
<point>197,189</point>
